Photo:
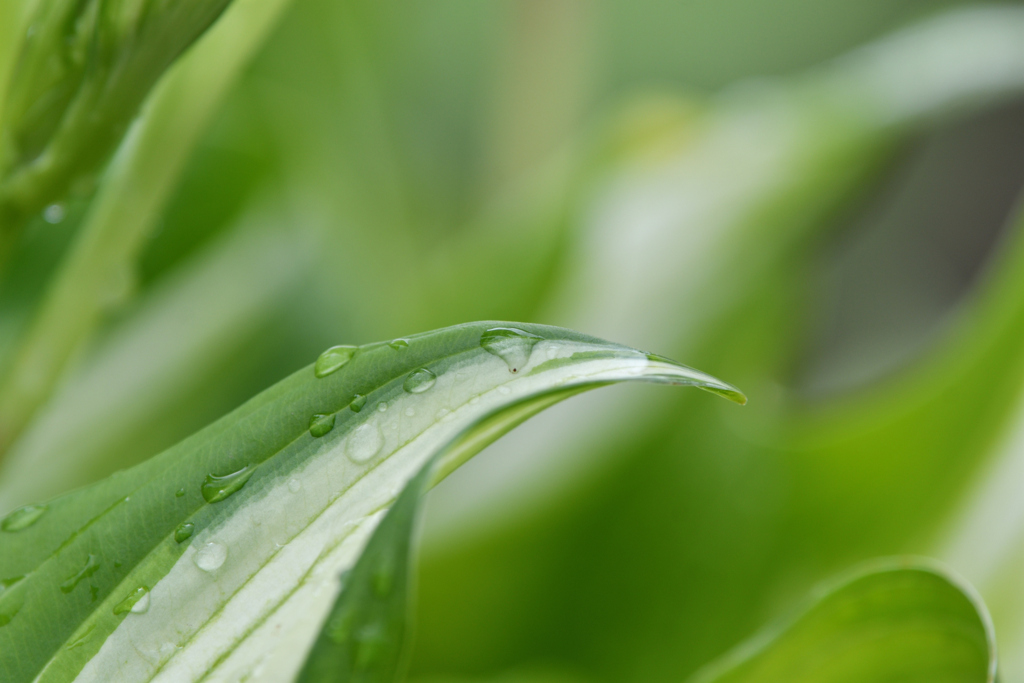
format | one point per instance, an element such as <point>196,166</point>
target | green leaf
<point>895,620</point>
<point>140,577</point>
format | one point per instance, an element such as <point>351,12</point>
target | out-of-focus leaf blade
<point>98,272</point>
<point>221,555</point>
<point>898,621</point>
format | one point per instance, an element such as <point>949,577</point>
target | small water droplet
<point>371,644</point>
<point>358,401</point>
<point>384,579</point>
<point>166,650</point>
<point>82,639</point>
<point>23,518</point>
<point>179,493</point>
<point>504,390</point>
<point>410,412</point>
<point>137,601</point>
<point>54,214</point>
<point>512,345</point>
<point>333,359</point>
<point>294,485</point>
<point>363,443</point>
<point>399,344</point>
<point>442,413</point>
<point>7,583</point>
<point>321,424</point>
<point>419,381</point>
<point>184,532</point>
<point>383,407</point>
<point>92,565</point>
<point>473,401</point>
<point>217,488</point>
<point>211,556</point>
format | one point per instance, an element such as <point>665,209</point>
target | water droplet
<point>419,381</point>
<point>371,644</point>
<point>82,639</point>
<point>54,214</point>
<point>23,518</point>
<point>473,401</point>
<point>357,403</point>
<point>504,390</point>
<point>179,493</point>
<point>137,601</point>
<point>383,407</point>
<point>509,344</point>
<point>363,443</point>
<point>410,412</point>
<point>7,583</point>
<point>211,556</point>
<point>441,414</point>
<point>333,359</point>
<point>321,424</point>
<point>92,565</point>
<point>166,650</point>
<point>384,579</point>
<point>399,344</point>
<point>184,532</point>
<point>217,488</point>
<point>294,485</point>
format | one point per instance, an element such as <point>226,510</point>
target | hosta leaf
<point>222,555</point>
<point>895,621</point>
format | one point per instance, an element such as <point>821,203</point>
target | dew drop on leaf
<point>54,214</point>
<point>137,601</point>
<point>217,488</point>
<point>184,532</point>
<point>321,424</point>
<point>333,359</point>
<point>179,493</point>
<point>92,565</point>
<point>512,345</point>
<point>211,556</point>
<point>23,518</point>
<point>419,381</point>
<point>357,404</point>
<point>364,442</point>
<point>410,412</point>
<point>399,344</point>
<point>82,639</point>
<point>294,485</point>
<point>382,407</point>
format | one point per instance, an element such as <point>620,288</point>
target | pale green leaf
<point>905,621</point>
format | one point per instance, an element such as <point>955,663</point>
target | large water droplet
<point>321,424</point>
<point>357,403</point>
<point>217,488</point>
<point>364,442</point>
<point>54,214</point>
<point>333,359</point>
<point>399,344</point>
<point>211,556</point>
<point>184,532</point>
<point>419,381</point>
<point>512,345</point>
<point>23,518</point>
<point>92,565</point>
<point>137,601</point>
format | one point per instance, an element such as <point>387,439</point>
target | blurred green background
<point>815,201</point>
